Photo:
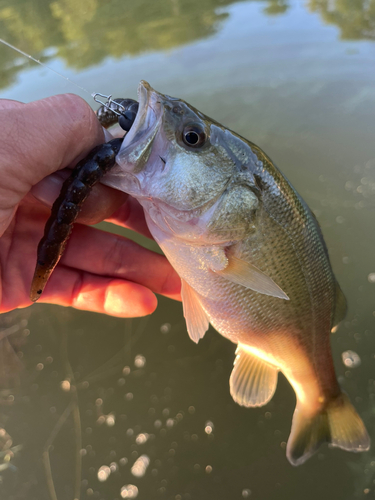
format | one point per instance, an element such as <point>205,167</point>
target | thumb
<point>41,137</point>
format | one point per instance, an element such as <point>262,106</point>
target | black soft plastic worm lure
<point>76,189</point>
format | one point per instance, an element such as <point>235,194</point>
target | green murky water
<point>297,78</point>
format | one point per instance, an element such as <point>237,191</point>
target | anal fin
<point>197,322</point>
<point>253,381</point>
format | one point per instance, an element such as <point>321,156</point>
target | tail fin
<point>337,423</point>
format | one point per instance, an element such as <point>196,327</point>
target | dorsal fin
<point>197,322</point>
<point>253,381</point>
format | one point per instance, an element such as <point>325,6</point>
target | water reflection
<point>13,335</point>
<point>104,415</point>
<point>276,7</point>
<point>355,18</point>
<point>85,33</point>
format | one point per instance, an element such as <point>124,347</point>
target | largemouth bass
<point>250,254</point>
<point>252,262</point>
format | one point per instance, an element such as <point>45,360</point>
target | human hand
<point>99,271</point>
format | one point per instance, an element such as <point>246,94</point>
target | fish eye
<point>194,135</point>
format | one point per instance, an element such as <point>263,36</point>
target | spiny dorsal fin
<point>253,381</point>
<point>196,319</point>
<point>243,273</point>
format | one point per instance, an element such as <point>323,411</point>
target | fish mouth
<point>137,141</point>
<point>145,125</point>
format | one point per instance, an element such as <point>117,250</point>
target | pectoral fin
<point>243,273</point>
<point>196,319</point>
<point>253,381</point>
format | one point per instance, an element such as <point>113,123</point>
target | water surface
<point>298,80</point>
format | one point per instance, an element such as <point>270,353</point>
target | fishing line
<point>42,64</point>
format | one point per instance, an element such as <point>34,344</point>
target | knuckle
<point>171,283</point>
<point>77,111</point>
<point>72,104</point>
<point>116,252</point>
<point>76,114</point>
<point>76,290</point>
<point>73,122</point>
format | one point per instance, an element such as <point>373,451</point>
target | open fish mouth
<point>137,142</point>
<point>144,127</point>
